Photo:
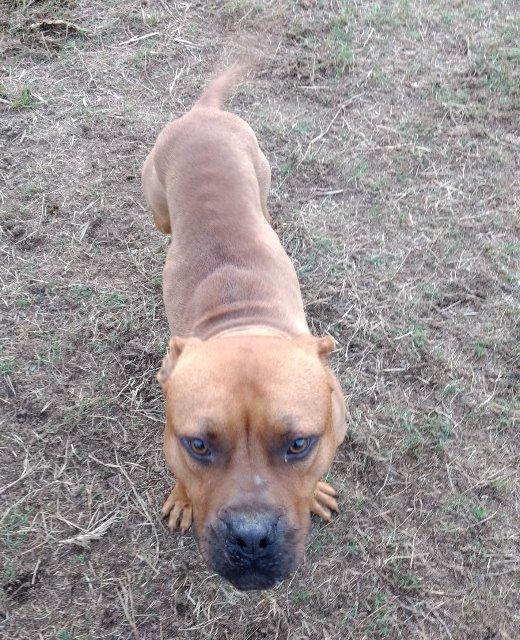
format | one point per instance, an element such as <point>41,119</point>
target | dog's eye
<point>298,446</point>
<point>199,447</point>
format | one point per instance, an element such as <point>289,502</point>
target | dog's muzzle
<point>252,549</point>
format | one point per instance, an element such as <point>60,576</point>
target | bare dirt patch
<point>392,130</point>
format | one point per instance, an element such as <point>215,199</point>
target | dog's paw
<point>178,509</point>
<point>323,502</point>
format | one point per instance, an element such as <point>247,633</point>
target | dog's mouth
<point>251,581</point>
<point>251,575</point>
<point>247,565</point>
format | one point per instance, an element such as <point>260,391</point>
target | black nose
<point>250,536</point>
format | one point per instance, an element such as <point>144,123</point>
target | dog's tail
<point>217,93</point>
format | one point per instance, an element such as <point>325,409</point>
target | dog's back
<point>207,182</point>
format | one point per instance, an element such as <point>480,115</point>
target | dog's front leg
<point>178,508</point>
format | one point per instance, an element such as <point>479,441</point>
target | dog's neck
<point>253,330</point>
<point>252,317</point>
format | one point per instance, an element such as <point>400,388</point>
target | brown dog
<point>253,413</point>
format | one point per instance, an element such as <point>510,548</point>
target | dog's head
<point>252,423</point>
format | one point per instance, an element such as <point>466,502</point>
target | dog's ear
<point>322,347</point>
<point>339,410</point>
<point>175,347</point>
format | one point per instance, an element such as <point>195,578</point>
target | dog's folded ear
<point>322,347</point>
<point>339,411</point>
<point>175,347</point>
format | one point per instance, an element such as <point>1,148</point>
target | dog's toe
<point>177,507</point>
<point>324,503</point>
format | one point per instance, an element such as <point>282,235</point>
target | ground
<point>392,131</point>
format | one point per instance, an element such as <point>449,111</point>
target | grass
<point>26,100</point>
<point>478,512</point>
<point>340,43</point>
<point>480,348</point>
<point>400,220</point>
<point>115,300</point>
<point>79,292</point>
<point>7,362</point>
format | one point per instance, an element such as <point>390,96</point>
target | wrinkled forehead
<point>272,383</point>
<point>266,362</point>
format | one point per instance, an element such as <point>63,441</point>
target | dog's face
<point>252,423</point>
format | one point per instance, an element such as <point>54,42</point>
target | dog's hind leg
<point>155,195</point>
<point>263,175</point>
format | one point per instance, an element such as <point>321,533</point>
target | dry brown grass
<point>392,130</point>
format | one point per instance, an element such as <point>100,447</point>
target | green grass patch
<point>303,596</point>
<point>497,70</point>
<point>8,572</point>
<point>80,292</point>
<point>480,348</point>
<point>12,531</point>
<point>478,512</point>
<point>439,429</point>
<point>7,362</point>
<point>340,45</point>
<point>26,100</point>
<point>22,303</point>
<point>322,541</point>
<point>115,301</point>
<point>419,339</point>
